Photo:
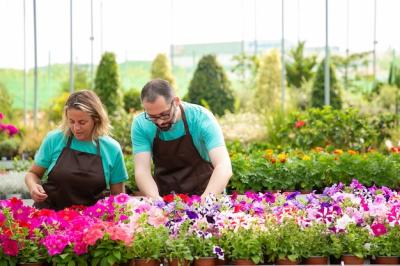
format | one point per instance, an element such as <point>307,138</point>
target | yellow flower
<point>306,158</point>
<point>282,157</point>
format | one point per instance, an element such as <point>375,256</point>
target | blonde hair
<point>88,102</point>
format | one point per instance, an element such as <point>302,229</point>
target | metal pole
<point>91,44</point>
<point>172,36</point>
<point>25,111</point>
<point>71,60</point>
<point>346,70</point>
<point>298,21</point>
<point>35,98</point>
<point>242,41</point>
<point>326,76</point>
<point>283,75</point>
<point>255,28</point>
<point>101,27</point>
<point>375,41</point>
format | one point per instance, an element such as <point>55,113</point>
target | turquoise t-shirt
<point>110,152</point>
<point>204,128</point>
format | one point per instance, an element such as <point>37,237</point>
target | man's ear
<point>177,100</point>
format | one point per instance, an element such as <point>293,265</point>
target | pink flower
<point>92,235</point>
<point>1,115</point>
<point>118,233</point>
<point>121,198</point>
<point>378,229</point>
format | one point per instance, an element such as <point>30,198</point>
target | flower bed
<point>355,219</point>
<point>266,170</point>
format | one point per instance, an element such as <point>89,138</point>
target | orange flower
<point>318,149</point>
<point>282,157</point>
<point>352,152</point>
<point>338,151</point>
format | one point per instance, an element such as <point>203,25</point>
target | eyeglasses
<point>163,116</point>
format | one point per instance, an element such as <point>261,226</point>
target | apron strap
<point>69,141</point>
<point>98,146</point>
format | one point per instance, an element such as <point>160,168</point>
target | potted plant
<point>244,246</point>
<point>317,245</point>
<point>384,244</point>
<point>148,244</point>
<point>31,250</point>
<point>284,242</point>
<point>202,244</point>
<point>352,243</point>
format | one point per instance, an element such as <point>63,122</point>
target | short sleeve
<point>140,140</point>
<point>42,156</point>
<point>211,131</point>
<point>118,171</point>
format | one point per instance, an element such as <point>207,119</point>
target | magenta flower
<point>10,247</point>
<point>55,244</point>
<point>121,198</point>
<point>1,116</point>
<point>12,130</point>
<point>378,229</point>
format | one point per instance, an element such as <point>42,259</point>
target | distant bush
<point>210,87</point>
<point>132,100</point>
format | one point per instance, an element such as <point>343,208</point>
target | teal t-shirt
<point>204,128</point>
<point>110,152</point>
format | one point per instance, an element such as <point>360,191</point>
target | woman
<point>80,159</point>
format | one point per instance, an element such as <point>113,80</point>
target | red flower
<point>299,124</point>
<point>184,197</point>
<point>168,198</point>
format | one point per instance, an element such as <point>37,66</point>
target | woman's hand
<point>37,193</point>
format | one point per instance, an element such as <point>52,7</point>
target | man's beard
<point>166,126</point>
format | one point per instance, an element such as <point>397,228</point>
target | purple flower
<point>219,252</point>
<point>292,195</point>
<point>269,197</point>
<point>192,215</point>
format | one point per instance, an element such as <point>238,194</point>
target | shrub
<point>323,127</point>
<point>132,100</point>
<point>161,68</point>
<point>317,94</point>
<point>210,87</point>
<point>107,84</point>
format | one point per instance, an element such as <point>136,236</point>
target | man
<point>185,143</point>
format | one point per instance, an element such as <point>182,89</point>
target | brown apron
<point>76,179</point>
<point>179,167</point>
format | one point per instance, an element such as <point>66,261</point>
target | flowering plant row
<point>355,219</point>
<point>263,170</point>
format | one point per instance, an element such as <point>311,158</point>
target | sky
<point>140,29</point>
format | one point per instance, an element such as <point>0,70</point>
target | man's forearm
<point>147,186</point>
<point>219,179</point>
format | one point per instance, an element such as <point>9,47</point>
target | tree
<point>161,68</point>
<point>299,68</point>
<point>107,84</point>
<point>317,92</point>
<point>268,83</point>
<point>246,66</point>
<point>210,86</point>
